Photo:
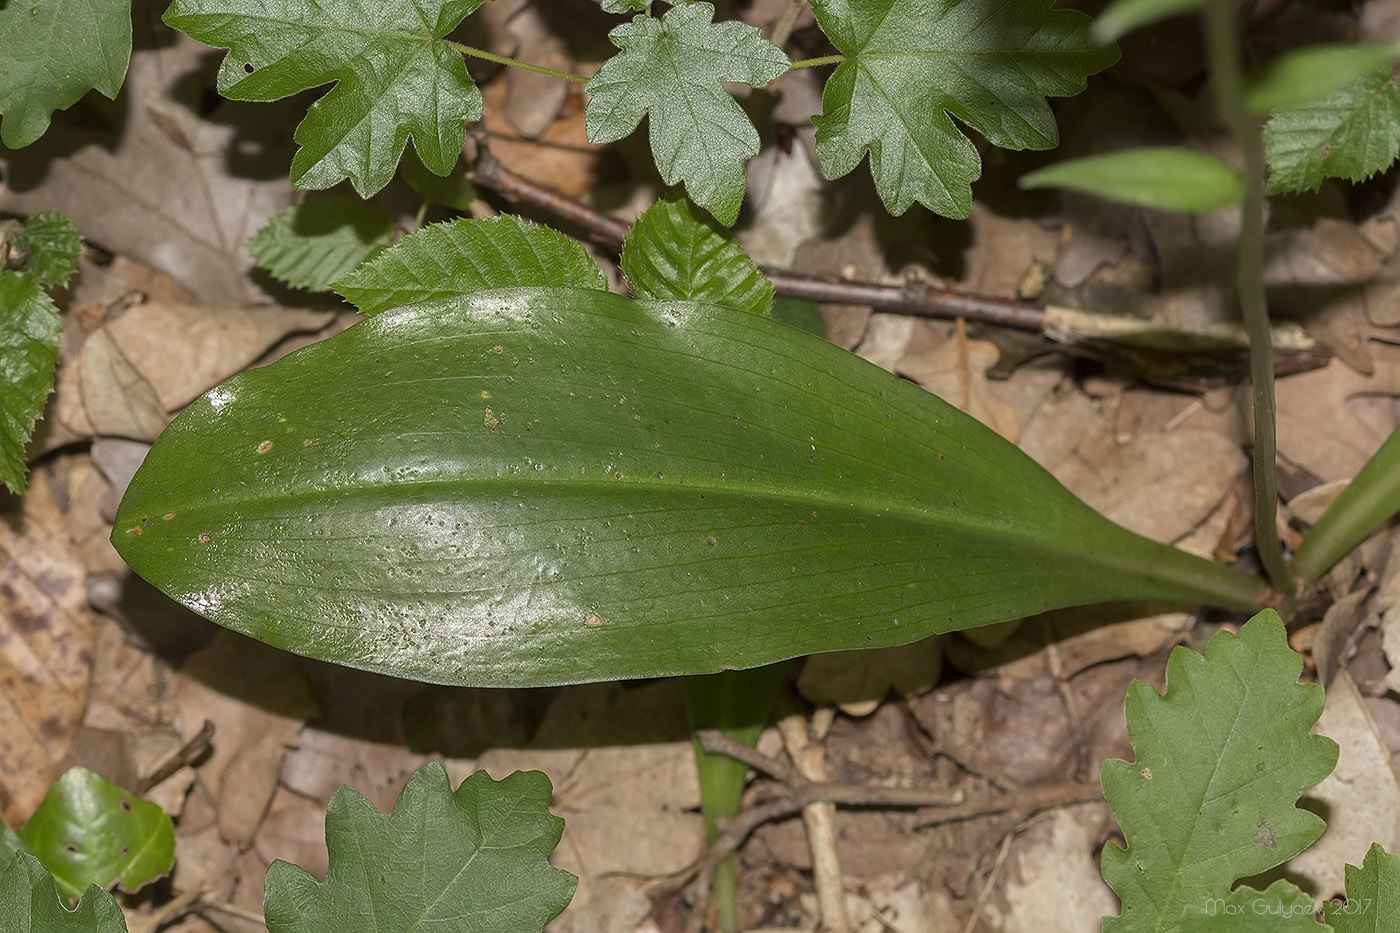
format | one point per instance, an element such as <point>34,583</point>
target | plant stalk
<point>1227,80</point>
<point>474,52</point>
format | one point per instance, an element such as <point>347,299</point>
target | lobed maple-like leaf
<point>672,70</point>
<point>474,860</point>
<point>913,65</point>
<point>52,53</point>
<point>1352,133</point>
<point>30,903</point>
<point>395,78</point>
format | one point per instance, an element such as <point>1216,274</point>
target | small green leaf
<point>464,256</point>
<point>1370,500</point>
<point>673,70</point>
<point>1352,134</point>
<point>676,251</point>
<point>91,831</point>
<point>626,6</point>
<point>50,244</point>
<point>29,325</point>
<point>1221,760</point>
<point>52,53</point>
<point>551,485</point>
<point>474,860</point>
<point>912,65</point>
<point>312,245</point>
<point>1372,903</point>
<point>30,903</point>
<point>1307,75</point>
<point>1280,908</point>
<point>1166,178</point>
<point>395,78</point>
<point>1124,16</point>
<point>454,191</point>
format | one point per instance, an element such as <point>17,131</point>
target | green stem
<point>818,62</point>
<point>474,52</point>
<point>1227,79</point>
<point>738,703</point>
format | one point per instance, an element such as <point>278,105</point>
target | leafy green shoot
<point>1221,759</point>
<point>465,256</point>
<point>313,244</point>
<point>674,251</point>
<point>1165,178</point>
<point>473,859</point>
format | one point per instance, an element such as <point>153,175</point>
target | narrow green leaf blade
<point>1307,75</point>
<point>91,831</point>
<point>911,66</point>
<point>29,325</point>
<point>474,860</point>
<point>50,243</point>
<point>1221,760</point>
<point>675,251</point>
<point>312,245</point>
<point>464,256</point>
<point>1123,16</point>
<point>1165,178</point>
<point>672,70</point>
<point>395,78</point>
<point>1370,500</point>
<point>51,54</point>
<point>1373,896</point>
<point>30,903</point>
<point>535,486</point>
<point>1351,134</point>
<point>1280,908</point>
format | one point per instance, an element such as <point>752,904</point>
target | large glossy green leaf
<point>535,486</point>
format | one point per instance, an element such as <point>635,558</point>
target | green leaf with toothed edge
<point>30,903</point>
<point>1372,903</point>
<point>1351,133</point>
<point>29,327</point>
<point>547,486</point>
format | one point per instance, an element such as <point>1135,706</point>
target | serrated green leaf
<point>49,245</point>
<point>1372,902</point>
<point>312,245</point>
<point>464,256</point>
<point>1124,16</point>
<point>1221,760</point>
<point>910,66</point>
<point>1351,134</point>
<point>1280,908</point>
<point>534,486</point>
<point>29,325</point>
<point>454,191</point>
<point>676,251</point>
<point>30,903</point>
<point>672,70</point>
<point>474,860</point>
<point>395,78</point>
<point>626,6</point>
<point>91,831</point>
<point>1306,75</point>
<point>52,53</point>
<point>1165,178</point>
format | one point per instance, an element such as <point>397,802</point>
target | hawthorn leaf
<point>533,486</point>
<point>1352,134</point>
<point>91,831</point>
<point>1221,759</point>
<point>673,70</point>
<point>1165,178</point>
<point>474,860</point>
<point>911,66</point>
<point>311,245</point>
<point>469,255</point>
<point>1280,908</point>
<point>50,244</point>
<point>29,326</point>
<point>1372,902</point>
<point>1123,16</point>
<point>30,903</point>
<point>1305,75</point>
<point>676,251</point>
<point>51,54</point>
<point>395,78</point>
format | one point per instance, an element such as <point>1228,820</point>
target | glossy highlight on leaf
<point>394,78</point>
<point>547,486</point>
<point>912,66</point>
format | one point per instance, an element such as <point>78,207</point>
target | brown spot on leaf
<point>593,620</point>
<point>264,447</point>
